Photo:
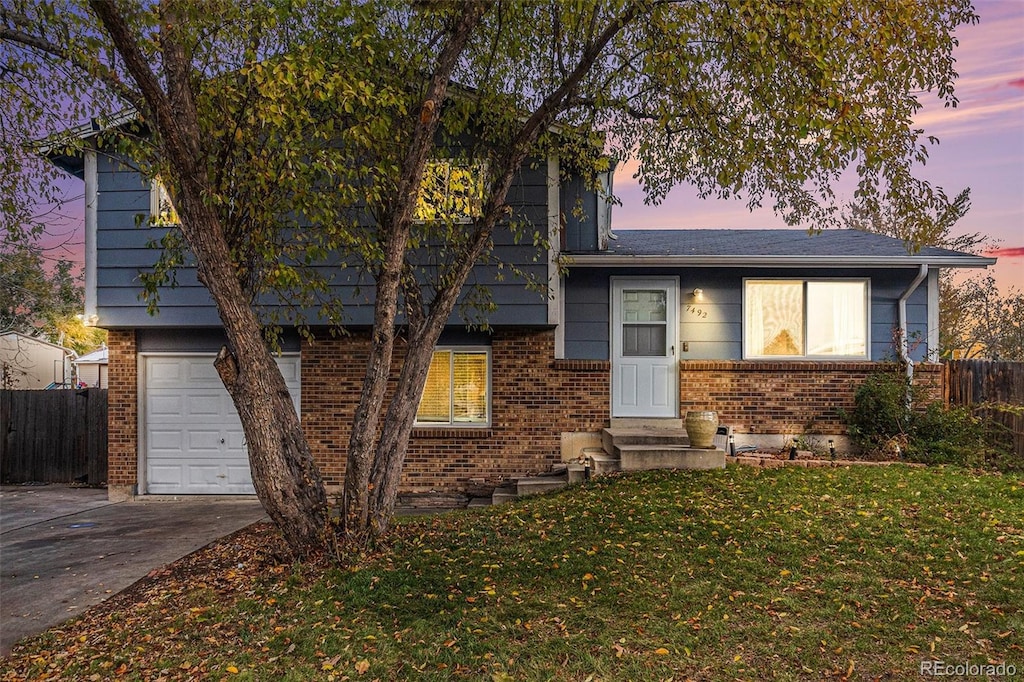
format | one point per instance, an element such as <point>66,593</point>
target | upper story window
<point>161,209</point>
<point>458,388</point>
<point>451,191</point>
<point>792,318</point>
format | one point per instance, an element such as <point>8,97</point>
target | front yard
<point>745,573</point>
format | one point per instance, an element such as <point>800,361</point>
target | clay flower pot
<point>701,427</point>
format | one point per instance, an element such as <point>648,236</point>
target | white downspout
<point>555,294</point>
<point>91,199</point>
<point>904,348</point>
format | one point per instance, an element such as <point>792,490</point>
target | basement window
<point>458,389</point>
<point>805,319</point>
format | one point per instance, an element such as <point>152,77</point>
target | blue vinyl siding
<point>122,252</point>
<point>586,322</point>
<point>712,329</point>
<point>579,213</point>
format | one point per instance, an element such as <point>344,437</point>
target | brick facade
<point>784,397</point>
<point>123,414</point>
<point>535,399</point>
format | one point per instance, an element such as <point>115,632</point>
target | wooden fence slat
<point>96,443</point>
<point>55,436</point>
<point>989,382</point>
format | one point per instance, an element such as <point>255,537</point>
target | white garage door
<point>194,439</point>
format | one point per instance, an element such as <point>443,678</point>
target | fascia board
<point>613,260</point>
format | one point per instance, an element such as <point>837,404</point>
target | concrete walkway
<point>64,549</point>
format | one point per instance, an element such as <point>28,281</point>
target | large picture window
<point>805,318</point>
<point>458,389</point>
<point>451,191</point>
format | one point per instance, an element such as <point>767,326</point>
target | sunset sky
<point>982,147</point>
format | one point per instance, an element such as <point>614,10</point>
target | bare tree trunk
<point>284,474</point>
<point>394,440</point>
<point>396,228</point>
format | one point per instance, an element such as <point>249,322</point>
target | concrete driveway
<point>64,549</point>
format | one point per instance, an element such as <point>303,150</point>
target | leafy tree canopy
<point>42,303</point>
<point>292,132</point>
<point>975,318</point>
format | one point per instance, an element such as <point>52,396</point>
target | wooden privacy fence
<point>53,436</point>
<point>969,382</point>
<point>988,384</point>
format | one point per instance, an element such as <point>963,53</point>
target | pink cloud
<point>1011,252</point>
<point>1016,83</point>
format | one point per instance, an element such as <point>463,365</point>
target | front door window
<point>644,323</point>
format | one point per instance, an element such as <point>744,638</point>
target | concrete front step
<point>645,423</point>
<point>601,462</point>
<point>645,457</point>
<point>540,484</point>
<point>615,437</point>
<point>500,496</point>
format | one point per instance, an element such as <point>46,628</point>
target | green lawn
<point>744,573</point>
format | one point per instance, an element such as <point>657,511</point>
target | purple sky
<point>982,147</point>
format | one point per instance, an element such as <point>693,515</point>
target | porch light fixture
<point>698,294</point>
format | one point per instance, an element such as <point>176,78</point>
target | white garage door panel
<point>163,404</point>
<point>200,441</point>
<point>164,441</point>
<point>165,475</point>
<point>206,405</point>
<point>194,441</point>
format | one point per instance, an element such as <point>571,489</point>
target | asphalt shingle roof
<point>771,242</point>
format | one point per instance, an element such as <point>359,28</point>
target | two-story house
<point>774,329</point>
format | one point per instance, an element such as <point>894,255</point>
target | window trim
<point>451,423</point>
<point>748,355</point>
<point>472,164</point>
<point>157,193</point>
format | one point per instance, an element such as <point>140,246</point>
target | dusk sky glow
<point>982,147</point>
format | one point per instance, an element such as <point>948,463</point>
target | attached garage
<point>193,440</point>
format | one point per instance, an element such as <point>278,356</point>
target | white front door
<point>194,443</point>
<point>645,374</point>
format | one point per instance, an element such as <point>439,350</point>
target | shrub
<point>881,419</point>
<point>880,413</point>
<point>947,436</point>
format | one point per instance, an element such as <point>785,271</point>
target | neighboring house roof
<point>772,247</point>
<point>60,149</point>
<point>96,357</point>
<point>34,339</point>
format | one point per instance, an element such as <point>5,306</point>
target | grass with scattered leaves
<point>744,573</point>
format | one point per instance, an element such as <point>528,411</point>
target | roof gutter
<point>591,260</point>
<point>904,347</point>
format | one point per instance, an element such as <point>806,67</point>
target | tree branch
<point>96,69</point>
<point>135,61</point>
